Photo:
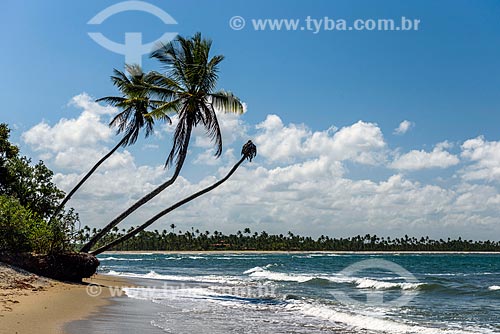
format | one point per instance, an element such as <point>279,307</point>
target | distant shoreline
<point>296,252</point>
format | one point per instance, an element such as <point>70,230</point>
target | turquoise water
<point>315,293</point>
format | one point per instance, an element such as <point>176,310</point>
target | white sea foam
<point>252,270</point>
<point>494,287</point>
<point>111,258</point>
<point>361,283</point>
<point>373,323</point>
<point>462,274</point>
<point>155,276</point>
<point>325,255</point>
<point>158,295</point>
<point>366,283</point>
<point>261,273</point>
<point>258,269</point>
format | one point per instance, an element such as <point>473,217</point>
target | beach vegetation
<point>188,240</point>
<point>28,198</point>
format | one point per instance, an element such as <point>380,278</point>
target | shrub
<point>16,224</point>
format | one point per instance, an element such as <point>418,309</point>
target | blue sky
<point>444,79</point>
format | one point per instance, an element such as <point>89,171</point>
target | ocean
<point>302,293</point>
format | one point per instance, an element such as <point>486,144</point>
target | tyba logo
<point>133,49</point>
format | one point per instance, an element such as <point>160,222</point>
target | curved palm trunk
<point>82,181</point>
<point>166,211</point>
<point>142,201</point>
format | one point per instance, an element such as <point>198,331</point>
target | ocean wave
<point>206,294</point>
<point>256,269</point>
<point>155,276</point>
<point>361,283</point>
<point>494,288</point>
<point>111,258</point>
<point>263,273</point>
<point>313,255</point>
<point>274,276</point>
<point>162,293</point>
<point>462,274</point>
<point>252,270</point>
<point>372,323</point>
<point>366,283</point>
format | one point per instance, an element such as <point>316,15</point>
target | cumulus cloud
<point>416,160</point>
<point>313,198</point>
<point>77,143</point>
<point>485,158</point>
<point>361,142</point>
<point>87,129</point>
<point>298,182</point>
<point>403,127</point>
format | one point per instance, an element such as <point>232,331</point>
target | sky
<point>358,131</point>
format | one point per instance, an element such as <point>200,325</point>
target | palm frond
<point>188,88</point>
<point>227,102</point>
<point>112,100</point>
<point>212,128</point>
<point>161,110</point>
<point>182,136</point>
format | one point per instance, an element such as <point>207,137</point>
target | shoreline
<point>48,307</point>
<point>296,252</point>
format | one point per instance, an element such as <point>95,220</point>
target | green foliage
<point>15,222</point>
<point>28,197</point>
<point>22,230</point>
<point>196,240</point>
<point>7,151</point>
<point>32,185</point>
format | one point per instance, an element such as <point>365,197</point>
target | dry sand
<point>30,304</point>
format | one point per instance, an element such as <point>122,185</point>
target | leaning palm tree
<point>135,106</point>
<point>249,151</point>
<point>188,90</point>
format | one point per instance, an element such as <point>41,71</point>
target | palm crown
<point>188,87</point>
<point>135,103</point>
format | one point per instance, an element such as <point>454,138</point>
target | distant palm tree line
<point>196,240</point>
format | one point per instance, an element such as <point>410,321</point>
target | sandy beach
<point>32,304</point>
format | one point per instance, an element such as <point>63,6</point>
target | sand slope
<point>31,304</point>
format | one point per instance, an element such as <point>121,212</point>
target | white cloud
<point>485,158</point>
<point>361,142</point>
<point>77,143</point>
<point>416,160</point>
<point>299,180</point>
<point>88,129</point>
<point>403,127</point>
